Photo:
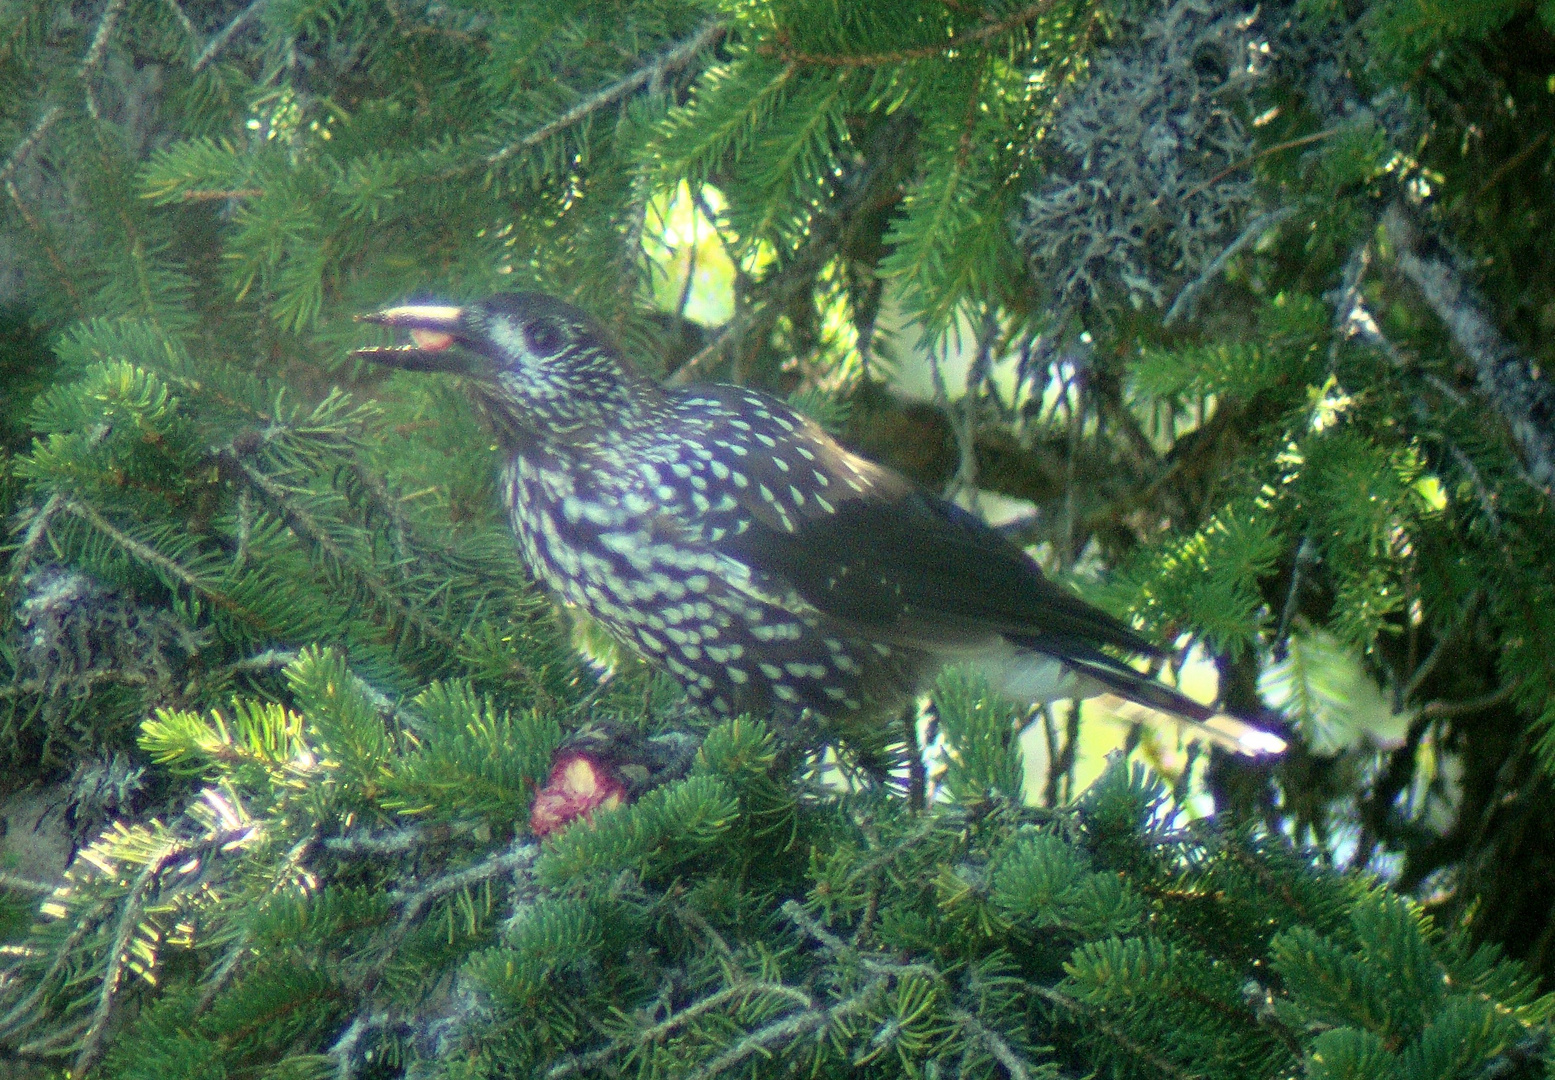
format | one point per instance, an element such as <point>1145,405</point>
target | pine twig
<point>152,557</point>
<point>1190,292</point>
<point>183,18</point>
<point>94,54</point>
<point>30,141</point>
<point>1144,1053</point>
<point>655,70</point>
<point>1526,403</point>
<point>989,29</point>
<point>9,880</point>
<point>303,524</point>
<point>118,955</point>
<point>36,227</point>
<point>994,1043</point>
<point>24,1013</point>
<point>35,530</point>
<point>224,36</point>
<point>787,1029</point>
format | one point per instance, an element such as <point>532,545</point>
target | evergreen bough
<point>260,608</point>
<point>352,888</point>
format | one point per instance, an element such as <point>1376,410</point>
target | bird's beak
<point>434,328</point>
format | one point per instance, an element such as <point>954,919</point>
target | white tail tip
<point>1227,731</point>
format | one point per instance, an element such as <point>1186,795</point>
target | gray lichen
<point>1147,183</point>
<point>72,633</point>
<point>71,638</point>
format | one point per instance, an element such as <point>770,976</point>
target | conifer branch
<point>224,36</point>
<point>1526,403</point>
<point>673,59</point>
<point>308,528</point>
<point>396,841</point>
<point>94,54</point>
<point>151,557</point>
<point>41,235</point>
<point>1002,1051</point>
<point>9,880</point>
<point>24,1013</point>
<point>129,919</point>
<point>30,541</point>
<point>960,41</point>
<point>1111,1031</point>
<point>414,903</point>
<point>1183,304</point>
<point>739,992</point>
<point>220,194</point>
<point>30,141</point>
<point>183,19</point>
<point>787,1029</point>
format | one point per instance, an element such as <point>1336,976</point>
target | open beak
<point>434,328</point>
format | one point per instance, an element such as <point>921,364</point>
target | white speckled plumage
<point>735,544</point>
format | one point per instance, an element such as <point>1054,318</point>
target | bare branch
<point>35,530</point>
<point>1445,710</point>
<point>960,41</point>
<point>1505,378</point>
<point>94,54</point>
<point>219,42</point>
<point>1189,295</point>
<point>25,148</point>
<point>995,1043</point>
<point>649,74</point>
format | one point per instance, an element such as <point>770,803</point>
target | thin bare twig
<point>224,36</point>
<point>995,1044</point>
<point>1190,292</point>
<point>1291,144</point>
<point>35,530</point>
<point>30,142</point>
<point>1506,378</point>
<point>674,59</point>
<point>94,54</point>
<point>922,52</point>
<point>1445,710</point>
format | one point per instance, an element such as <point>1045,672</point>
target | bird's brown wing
<point>868,547</point>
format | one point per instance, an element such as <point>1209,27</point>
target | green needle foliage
<point>1250,306</point>
<point>350,888</point>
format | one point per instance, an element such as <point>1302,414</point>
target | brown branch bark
<point>1507,380</point>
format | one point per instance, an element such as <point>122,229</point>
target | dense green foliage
<point>748,913</point>
<point>1253,311</point>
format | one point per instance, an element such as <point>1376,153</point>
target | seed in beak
<point>431,340</point>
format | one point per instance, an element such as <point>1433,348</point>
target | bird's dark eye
<point>543,338</point>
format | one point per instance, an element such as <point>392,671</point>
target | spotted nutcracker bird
<point>735,544</point>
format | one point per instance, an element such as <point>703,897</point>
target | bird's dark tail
<point>1144,700</point>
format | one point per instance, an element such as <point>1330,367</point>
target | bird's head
<point>538,366</point>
